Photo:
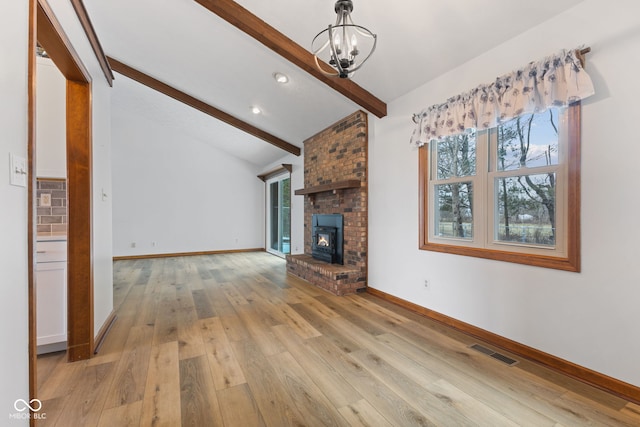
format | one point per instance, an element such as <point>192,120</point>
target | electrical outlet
<point>427,284</point>
<point>133,244</point>
<point>45,200</point>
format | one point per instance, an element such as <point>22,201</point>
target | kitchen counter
<point>51,238</point>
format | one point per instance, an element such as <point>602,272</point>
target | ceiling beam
<point>85,21</point>
<point>255,27</point>
<point>189,100</point>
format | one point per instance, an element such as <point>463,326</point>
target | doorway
<point>44,29</point>
<point>279,215</point>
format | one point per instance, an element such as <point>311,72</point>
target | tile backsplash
<point>52,206</point>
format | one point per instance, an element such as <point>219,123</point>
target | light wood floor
<point>231,340</point>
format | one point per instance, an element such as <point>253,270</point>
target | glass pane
<point>456,156</point>
<point>286,216</point>
<point>528,141</point>
<point>274,215</point>
<point>526,208</point>
<point>454,212</point>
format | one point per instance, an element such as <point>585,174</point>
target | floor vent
<point>501,357</point>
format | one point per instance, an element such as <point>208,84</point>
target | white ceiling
<point>186,46</point>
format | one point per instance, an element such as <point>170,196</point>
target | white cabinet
<point>51,296</point>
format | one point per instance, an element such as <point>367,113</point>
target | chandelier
<point>341,44</point>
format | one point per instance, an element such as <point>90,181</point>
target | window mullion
<point>525,171</point>
<point>480,201</point>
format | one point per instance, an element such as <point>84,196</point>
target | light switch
<point>17,170</point>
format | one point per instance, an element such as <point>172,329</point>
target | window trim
<point>570,262</point>
<point>278,178</point>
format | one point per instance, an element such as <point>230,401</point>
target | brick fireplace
<point>335,182</point>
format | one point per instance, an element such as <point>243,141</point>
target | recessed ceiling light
<point>281,78</point>
<point>256,110</point>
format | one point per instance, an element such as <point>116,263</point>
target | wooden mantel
<point>325,188</point>
<point>340,185</point>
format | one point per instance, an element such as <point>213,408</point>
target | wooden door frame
<point>45,28</point>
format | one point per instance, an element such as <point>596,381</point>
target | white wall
<point>102,202</point>
<point>13,210</point>
<point>180,192</point>
<point>51,128</point>
<point>589,318</point>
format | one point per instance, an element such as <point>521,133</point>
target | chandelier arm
<point>349,19</point>
<point>338,18</point>
<point>366,33</point>
<point>346,43</point>
<point>321,48</point>
<point>359,30</point>
<point>356,27</point>
<point>326,73</point>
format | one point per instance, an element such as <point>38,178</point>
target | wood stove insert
<point>327,238</point>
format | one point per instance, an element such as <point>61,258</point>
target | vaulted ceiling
<point>185,45</point>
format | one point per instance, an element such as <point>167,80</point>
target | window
<point>509,193</point>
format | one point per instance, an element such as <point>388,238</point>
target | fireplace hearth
<point>327,238</point>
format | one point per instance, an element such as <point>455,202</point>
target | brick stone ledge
<point>335,278</point>
<point>332,270</point>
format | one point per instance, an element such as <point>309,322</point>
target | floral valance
<point>556,80</point>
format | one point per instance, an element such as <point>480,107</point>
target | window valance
<point>556,80</point>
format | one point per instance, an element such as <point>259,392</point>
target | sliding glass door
<point>279,215</point>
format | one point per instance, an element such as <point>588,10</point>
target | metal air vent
<point>501,357</point>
